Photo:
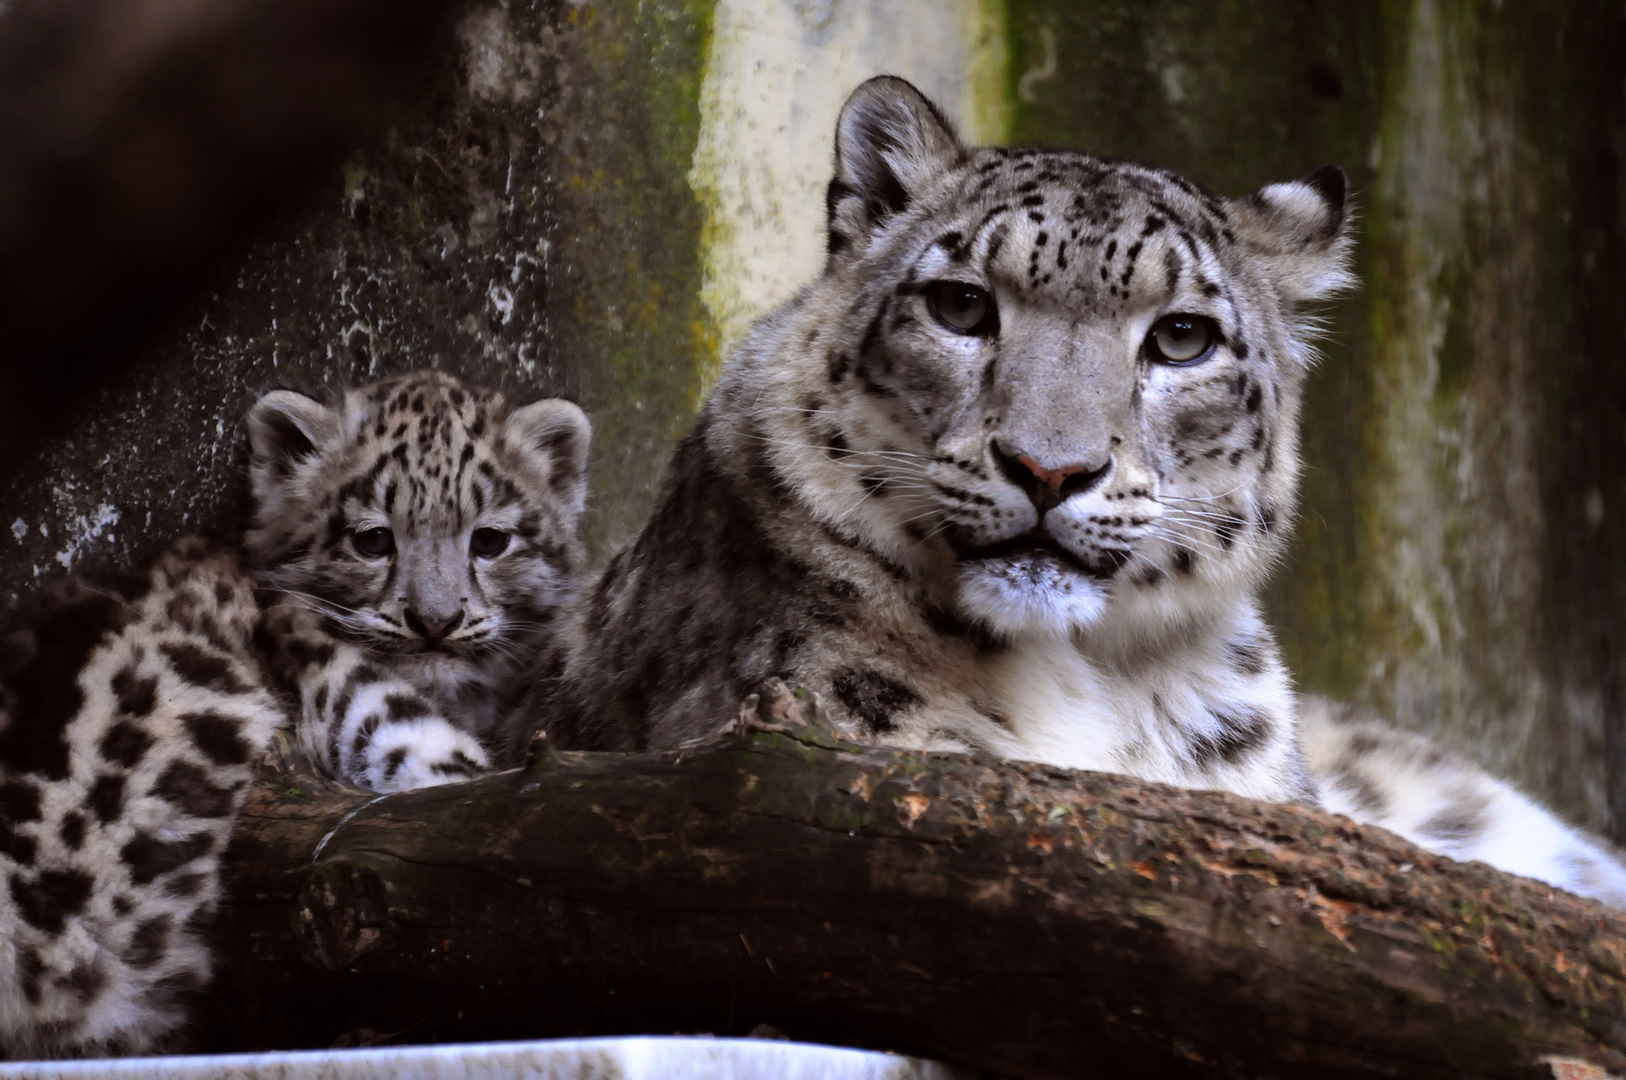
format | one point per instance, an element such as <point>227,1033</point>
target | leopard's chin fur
<point>1007,477</point>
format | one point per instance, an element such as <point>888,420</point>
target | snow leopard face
<point>1080,377</point>
<point>431,522</point>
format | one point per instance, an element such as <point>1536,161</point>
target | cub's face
<point>427,520</point>
<point>1077,380</point>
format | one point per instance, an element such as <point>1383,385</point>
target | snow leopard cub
<point>130,720</point>
<point>1008,476</point>
<point>418,536</point>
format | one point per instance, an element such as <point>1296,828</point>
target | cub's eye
<point>1182,339</point>
<point>488,543</point>
<point>374,543</point>
<point>963,308</point>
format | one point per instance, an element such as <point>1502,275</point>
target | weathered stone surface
<point>526,222</point>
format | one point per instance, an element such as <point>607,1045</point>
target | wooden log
<point>1029,920</point>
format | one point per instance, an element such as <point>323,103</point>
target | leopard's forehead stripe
<point>1092,224</point>
<point>425,454</point>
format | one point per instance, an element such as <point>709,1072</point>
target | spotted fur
<point>129,725</point>
<point>844,513</point>
<point>399,650</point>
<point>1031,532</point>
<point>1407,784</point>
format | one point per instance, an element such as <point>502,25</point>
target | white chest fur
<point>1189,716</point>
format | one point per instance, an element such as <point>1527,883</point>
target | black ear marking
<point>285,428</point>
<point>890,142</point>
<point>291,444</point>
<point>1332,184</point>
<point>553,436</point>
<point>1304,228</point>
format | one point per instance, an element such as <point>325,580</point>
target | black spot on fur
<point>147,856</point>
<point>188,787</point>
<point>1247,656</point>
<point>407,706</point>
<point>872,697</point>
<point>136,696</point>
<point>19,802</point>
<point>1460,822</point>
<point>1361,791</point>
<point>85,982</point>
<point>1241,731</point>
<point>106,799</point>
<point>125,744</point>
<point>51,899</point>
<point>46,686</point>
<point>1185,561</point>
<point>30,967</point>
<point>72,830</point>
<point>459,765</point>
<point>203,668</point>
<point>148,941</point>
<point>217,736</point>
<point>186,884</point>
<point>393,762</point>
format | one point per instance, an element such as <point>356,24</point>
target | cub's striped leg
<point>357,720</point>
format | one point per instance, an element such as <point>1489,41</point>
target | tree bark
<point>1006,916</point>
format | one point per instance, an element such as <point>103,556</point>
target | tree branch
<point>1008,916</point>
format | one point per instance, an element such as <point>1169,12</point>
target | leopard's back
<point>131,724</point>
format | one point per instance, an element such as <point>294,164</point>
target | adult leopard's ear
<point>553,435</point>
<point>890,143</point>
<point>1305,229</point>
<point>285,428</point>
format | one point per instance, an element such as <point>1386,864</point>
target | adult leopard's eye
<point>488,543</point>
<point>374,543</point>
<point>965,309</point>
<point>1182,339</point>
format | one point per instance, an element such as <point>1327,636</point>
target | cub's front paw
<point>421,753</point>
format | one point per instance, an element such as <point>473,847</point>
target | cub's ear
<point>285,428</point>
<point>554,434</point>
<point>1304,228</point>
<point>890,142</point>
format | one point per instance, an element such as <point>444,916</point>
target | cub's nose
<point>432,627</point>
<point>1046,488</point>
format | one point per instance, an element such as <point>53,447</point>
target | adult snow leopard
<point>420,535</point>
<point>1008,476</point>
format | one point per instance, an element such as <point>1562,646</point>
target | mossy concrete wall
<point>594,199</point>
<point>526,223</point>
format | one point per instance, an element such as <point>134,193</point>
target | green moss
<point>629,237</point>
